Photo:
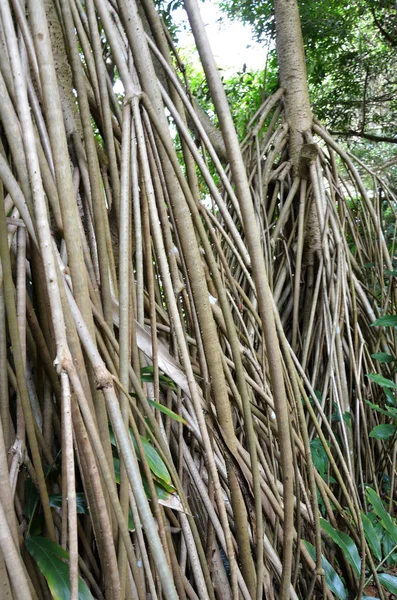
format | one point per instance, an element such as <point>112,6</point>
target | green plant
<point>380,531</point>
<point>51,560</point>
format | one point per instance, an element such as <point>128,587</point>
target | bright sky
<point>231,42</point>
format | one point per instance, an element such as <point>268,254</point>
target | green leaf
<point>81,502</point>
<point>319,456</point>
<point>389,547</point>
<point>390,396</point>
<point>166,486</point>
<point>131,524</point>
<point>380,380</point>
<point>48,556</point>
<point>36,525</point>
<point>371,536</point>
<point>161,492</point>
<point>345,543</point>
<point>167,411</point>
<point>382,513</point>
<point>165,493</point>
<point>389,411</point>
<point>112,437</point>
<point>165,497</point>
<point>147,374</point>
<point>383,432</point>
<point>347,418</point>
<point>116,467</point>
<point>332,578</point>
<point>385,321</point>
<point>31,498</point>
<point>389,581</point>
<point>383,357</point>
<point>155,462</point>
<point>382,411</point>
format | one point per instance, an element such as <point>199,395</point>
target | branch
<point>367,136</point>
<point>386,34</point>
<point>387,164</point>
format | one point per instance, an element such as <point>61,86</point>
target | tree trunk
<point>293,76</point>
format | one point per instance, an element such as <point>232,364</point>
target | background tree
<point>351,58</point>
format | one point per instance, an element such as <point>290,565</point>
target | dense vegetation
<point>198,305</point>
<point>351,53</point>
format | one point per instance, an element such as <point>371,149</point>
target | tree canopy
<point>351,53</point>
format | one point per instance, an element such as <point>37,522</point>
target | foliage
<point>381,534</point>
<point>244,90</point>
<point>332,579</point>
<point>351,59</point>
<point>50,558</point>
